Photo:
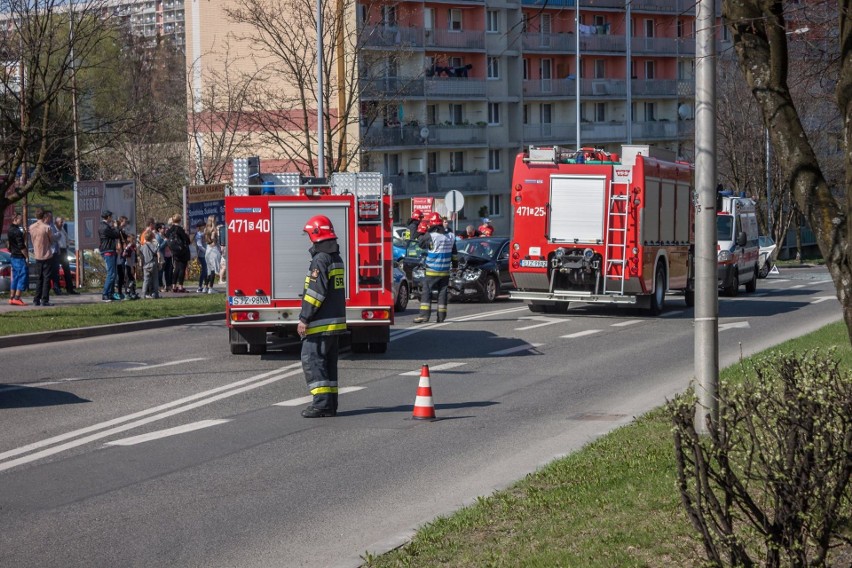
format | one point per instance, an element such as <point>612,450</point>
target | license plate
<point>534,263</point>
<point>248,300</point>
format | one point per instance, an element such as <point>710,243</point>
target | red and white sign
<point>425,204</point>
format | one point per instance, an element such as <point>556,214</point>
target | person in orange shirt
<point>41,236</point>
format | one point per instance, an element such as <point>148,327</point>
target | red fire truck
<point>589,227</point>
<point>267,253</point>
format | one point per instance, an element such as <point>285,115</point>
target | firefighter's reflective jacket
<point>324,301</point>
<point>441,253</point>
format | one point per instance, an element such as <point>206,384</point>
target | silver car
<point>5,271</point>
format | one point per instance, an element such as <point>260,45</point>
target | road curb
<point>98,330</point>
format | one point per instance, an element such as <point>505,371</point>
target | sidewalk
<point>95,298</point>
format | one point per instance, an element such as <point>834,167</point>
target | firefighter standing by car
<point>441,256</point>
<point>323,317</point>
<point>414,223</point>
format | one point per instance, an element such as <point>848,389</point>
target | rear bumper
<point>569,296</point>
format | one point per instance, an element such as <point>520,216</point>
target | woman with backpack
<point>179,244</point>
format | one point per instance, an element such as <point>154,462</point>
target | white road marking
<point>308,399</point>
<point>762,294</point>
<point>775,280</point>
<point>545,319</point>
<point>670,314</point>
<point>581,334</point>
<point>166,433</point>
<point>511,350</point>
<point>401,333</point>
<point>145,367</point>
<point>823,299</point>
<point>441,367</point>
<point>626,323</point>
<point>797,286</point>
<point>214,394</point>
<point>735,325</point>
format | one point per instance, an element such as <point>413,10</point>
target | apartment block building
<point>451,90</point>
<point>151,18</point>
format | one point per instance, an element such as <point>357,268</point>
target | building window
<point>432,162</point>
<point>649,70</point>
<point>493,67</point>
<point>455,20</point>
<point>526,69</point>
<point>492,23</point>
<point>649,112</point>
<point>680,28</point>
<point>493,113</point>
<point>456,161</point>
<point>389,16</point>
<point>600,68</point>
<point>494,160</point>
<point>600,20</point>
<point>494,205</point>
<point>431,114</point>
<point>456,114</point>
<point>392,164</point>
<point>526,114</point>
<point>649,28</point>
<point>600,112</point>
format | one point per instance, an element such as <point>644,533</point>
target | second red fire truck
<point>592,227</point>
<point>268,259</point>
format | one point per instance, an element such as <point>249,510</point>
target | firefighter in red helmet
<point>323,317</point>
<point>414,223</point>
<point>441,256</point>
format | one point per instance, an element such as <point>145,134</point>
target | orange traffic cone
<point>424,409</point>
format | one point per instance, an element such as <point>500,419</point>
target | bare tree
<point>218,118</point>
<point>760,34</point>
<point>284,92</point>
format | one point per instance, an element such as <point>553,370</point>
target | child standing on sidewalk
<point>150,267</point>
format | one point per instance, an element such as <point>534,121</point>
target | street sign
<point>454,200</point>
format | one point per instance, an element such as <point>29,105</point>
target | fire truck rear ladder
<point>367,188</point>
<point>615,259</point>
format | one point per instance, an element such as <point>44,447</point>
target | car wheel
<point>734,288</point>
<point>402,298</point>
<point>557,308</point>
<point>658,296</point>
<point>360,347</point>
<point>491,288</point>
<point>536,308</point>
<point>378,347</point>
<point>751,287</point>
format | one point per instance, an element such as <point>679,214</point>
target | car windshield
<point>5,257</point>
<point>724,228</point>
<point>765,242</point>
<point>483,248</point>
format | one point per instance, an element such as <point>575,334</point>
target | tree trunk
<point>760,40</point>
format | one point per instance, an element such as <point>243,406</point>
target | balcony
<point>378,137</point>
<point>607,132</point>
<point>451,39</point>
<point>607,88</point>
<point>454,87</point>
<point>392,87</point>
<point>606,44</point>
<point>439,183</point>
<point>656,6</point>
<point>392,37</point>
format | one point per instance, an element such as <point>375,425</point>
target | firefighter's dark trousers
<point>430,284</point>
<point>319,363</point>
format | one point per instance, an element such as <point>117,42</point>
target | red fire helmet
<point>422,227</point>
<point>435,219</point>
<point>486,230</point>
<point>319,228</point>
<point>418,214</point>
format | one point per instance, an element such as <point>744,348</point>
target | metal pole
<point>76,134</point>
<point>577,64</point>
<point>628,40</point>
<point>320,95</point>
<point>706,291</point>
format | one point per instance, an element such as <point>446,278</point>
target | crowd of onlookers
<point>160,256</point>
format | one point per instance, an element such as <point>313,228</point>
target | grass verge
<point>87,315</point>
<point>613,503</point>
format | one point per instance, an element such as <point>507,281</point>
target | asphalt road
<point>160,448</point>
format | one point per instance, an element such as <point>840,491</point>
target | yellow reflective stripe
<point>324,390</point>
<point>435,273</point>
<point>330,327</point>
<point>312,301</point>
<point>336,272</point>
